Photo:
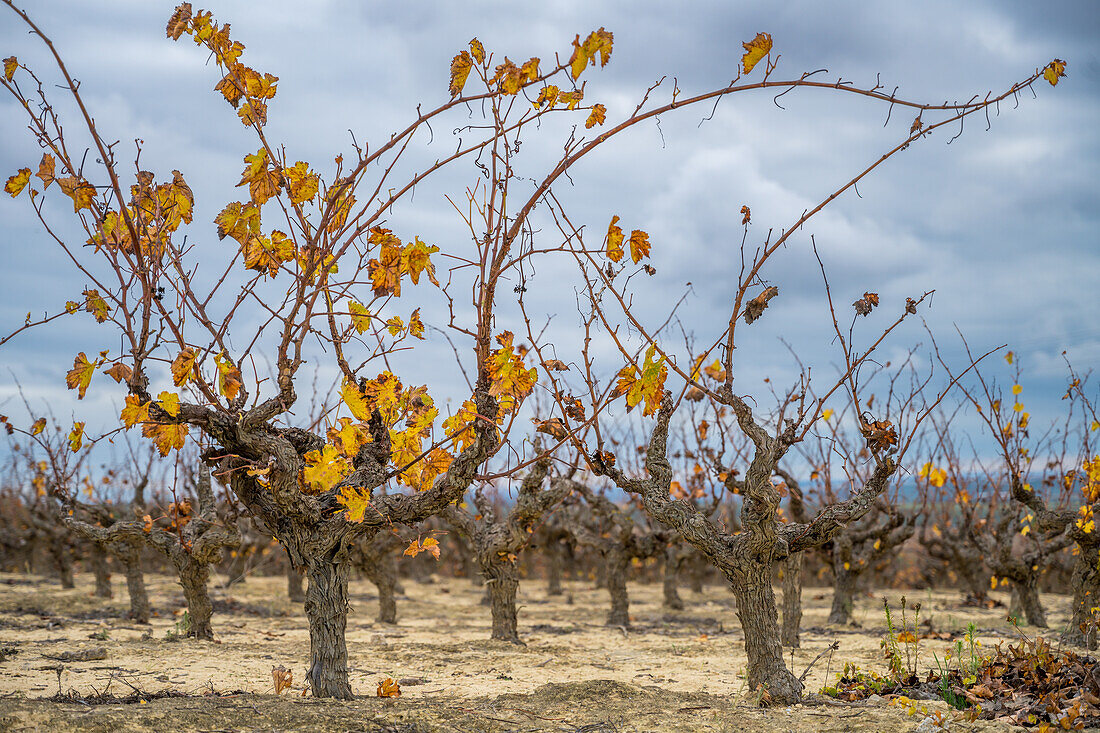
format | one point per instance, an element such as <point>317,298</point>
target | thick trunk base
<point>193,576</point>
<point>617,565</point>
<point>554,552</point>
<point>135,587</point>
<point>1025,602</point>
<point>1086,596</point>
<point>326,607</point>
<point>672,598</point>
<point>843,598</point>
<point>383,573</point>
<point>502,583</point>
<point>766,672</point>
<point>97,558</point>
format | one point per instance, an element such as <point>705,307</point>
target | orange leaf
<point>229,377</point>
<point>183,366</point>
<point>119,372</point>
<point>387,687</point>
<point>283,679</point>
<point>596,117</point>
<point>80,376</point>
<point>46,170</point>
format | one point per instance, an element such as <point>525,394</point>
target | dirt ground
<point>671,671</point>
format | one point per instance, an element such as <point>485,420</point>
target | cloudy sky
<point>1003,223</point>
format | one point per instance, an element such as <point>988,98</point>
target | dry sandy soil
<point>671,671</point>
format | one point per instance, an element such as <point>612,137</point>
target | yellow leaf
<point>166,437</point>
<point>169,402</point>
<point>1017,389</point>
<point>39,426</point>
<point>416,326</point>
<point>1009,356</point>
<point>614,240</point>
<point>10,65</point>
<point>134,412</point>
<point>96,305</point>
<point>598,43</point>
<point>596,117</point>
<point>416,258</point>
<point>548,97</point>
<point>355,401</point>
<point>324,469</point>
<point>395,325</point>
<point>80,376</point>
<point>639,245</point>
<point>18,182</point>
<point>511,381</point>
<point>755,50</point>
<point>429,544</point>
<point>304,183</point>
<point>238,221</point>
<point>1055,70</point>
<point>460,70</point>
<point>183,366</point>
<point>360,316</point>
<point>355,500</point>
<point>477,50</point>
<point>76,436</point>
<point>80,191</point>
<point>827,413</point>
<point>229,377</point>
<point>648,386</point>
<point>263,182</point>
<point>1095,425</point>
<point>385,272</point>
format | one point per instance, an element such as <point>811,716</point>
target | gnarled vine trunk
<point>617,564</point>
<point>193,576</point>
<point>97,558</point>
<point>554,562</point>
<point>1086,596</point>
<point>792,599</point>
<point>326,608</point>
<point>668,582</point>
<point>1025,602</point>
<point>135,585</point>
<point>294,589</point>
<point>766,670</point>
<point>844,590</point>
<point>382,572</point>
<point>502,583</point>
